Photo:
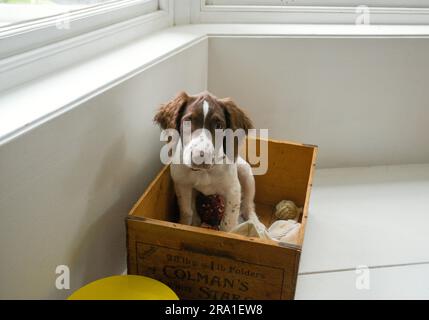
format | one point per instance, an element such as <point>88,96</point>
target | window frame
<point>319,3</point>
<point>205,12</point>
<point>22,37</point>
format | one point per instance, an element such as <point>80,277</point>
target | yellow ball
<point>127,287</point>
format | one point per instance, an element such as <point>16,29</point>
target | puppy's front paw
<point>196,220</point>
<point>249,215</point>
<point>185,219</point>
<point>228,224</point>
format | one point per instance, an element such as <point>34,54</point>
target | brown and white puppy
<point>203,168</point>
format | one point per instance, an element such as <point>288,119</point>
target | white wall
<point>66,186</point>
<point>363,101</point>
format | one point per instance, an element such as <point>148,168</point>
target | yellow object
<point>126,287</point>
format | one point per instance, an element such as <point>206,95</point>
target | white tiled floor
<point>376,217</point>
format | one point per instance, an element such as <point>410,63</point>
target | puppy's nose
<point>201,153</point>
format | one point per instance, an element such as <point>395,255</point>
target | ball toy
<point>286,210</point>
<point>124,287</point>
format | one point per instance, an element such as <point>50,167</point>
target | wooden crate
<point>199,263</point>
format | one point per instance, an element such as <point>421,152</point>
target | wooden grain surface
<point>200,263</point>
<point>205,264</point>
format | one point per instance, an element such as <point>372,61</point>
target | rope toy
<point>211,210</point>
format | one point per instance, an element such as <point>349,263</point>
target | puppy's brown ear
<point>169,114</point>
<point>236,118</point>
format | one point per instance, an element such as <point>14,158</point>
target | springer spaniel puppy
<point>232,180</point>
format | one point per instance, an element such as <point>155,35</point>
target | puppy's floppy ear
<point>236,118</point>
<point>169,114</point>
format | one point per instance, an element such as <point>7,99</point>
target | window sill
<point>32,103</point>
<point>28,105</point>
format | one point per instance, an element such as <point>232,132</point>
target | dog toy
<point>211,210</point>
<point>286,210</point>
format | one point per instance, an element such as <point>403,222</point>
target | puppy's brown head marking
<point>203,111</point>
<point>169,114</point>
<point>236,118</point>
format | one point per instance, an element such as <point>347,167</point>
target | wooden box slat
<point>198,263</point>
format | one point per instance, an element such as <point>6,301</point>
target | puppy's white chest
<point>208,184</point>
<point>216,181</point>
<point>204,179</point>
